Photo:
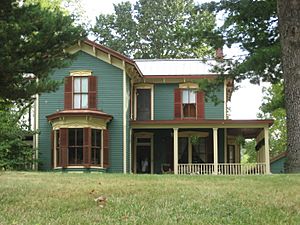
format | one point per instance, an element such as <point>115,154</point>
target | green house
<point>277,163</point>
<point>116,114</point>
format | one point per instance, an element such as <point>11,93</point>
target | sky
<point>244,103</point>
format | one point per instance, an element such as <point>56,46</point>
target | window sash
<point>80,93</point>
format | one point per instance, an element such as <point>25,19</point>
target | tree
<point>253,25</point>
<point>158,29</point>
<point>273,107</point>
<point>33,39</point>
<point>289,19</point>
<point>15,153</point>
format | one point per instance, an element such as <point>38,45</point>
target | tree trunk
<point>289,28</point>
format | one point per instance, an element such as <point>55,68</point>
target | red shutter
<point>68,92</point>
<point>87,146</point>
<point>177,103</point>
<point>52,149</point>
<point>105,149</point>
<point>63,133</point>
<point>200,105</point>
<point>92,92</point>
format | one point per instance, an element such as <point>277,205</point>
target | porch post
<point>175,139</point>
<point>267,150</point>
<point>215,138</point>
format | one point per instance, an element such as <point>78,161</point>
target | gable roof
<point>279,156</point>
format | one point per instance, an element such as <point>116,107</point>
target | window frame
<point>80,93</point>
<point>144,86</point>
<point>75,146</point>
<point>189,104</point>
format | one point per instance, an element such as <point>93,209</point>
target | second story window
<point>80,94</point>
<point>80,91</point>
<point>189,103</point>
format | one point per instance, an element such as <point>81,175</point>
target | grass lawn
<point>66,198</point>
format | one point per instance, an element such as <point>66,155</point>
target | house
<point>277,163</point>
<point>114,114</point>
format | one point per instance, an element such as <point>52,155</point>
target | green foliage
<point>15,153</point>
<point>33,39</point>
<point>249,152</point>
<point>253,26</point>
<point>273,107</point>
<point>158,29</point>
<point>209,87</point>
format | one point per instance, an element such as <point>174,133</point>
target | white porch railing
<point>199,168</point>
<point>223,168</point>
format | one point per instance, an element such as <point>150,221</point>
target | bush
<point>15,153</point>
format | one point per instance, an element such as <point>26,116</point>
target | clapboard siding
<point>213,111</point>
<point>164,101</point>
<point>109,100</point>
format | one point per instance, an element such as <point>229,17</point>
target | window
<point>189,103</point>
<point>80,93</point>
<point>75,146</point>
<point>199,151</point>
<point>96,147</point>
<point>57,148</point>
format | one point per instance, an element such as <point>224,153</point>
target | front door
<point>143,155</point>
<point>143,104</point>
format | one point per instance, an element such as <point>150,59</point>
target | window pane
<point>57,138</point>
<point>192,96</point>
<point>71,137</point>
<point>199,151</point>
<point>79,137</point>
<point>79,155</point>
<point>84,84</point>
<point>76,84</point>
<point>71,155</point>
<point>98,138</point>
<point>84,99</point>
<point>57,157</point>
<point>76,101</point>
<point>185,96</point>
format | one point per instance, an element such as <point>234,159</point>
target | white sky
<point>244,102</point>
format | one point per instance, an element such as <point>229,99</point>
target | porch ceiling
<point>245,132</point>
<point>247,126</point>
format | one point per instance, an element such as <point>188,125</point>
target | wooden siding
<point>128,153</point>
<point>278,165</point>
<point>164,101</point>
<point>109,100</point>
<point>213,111</point>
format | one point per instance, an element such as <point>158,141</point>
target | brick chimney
<point>219,54</point>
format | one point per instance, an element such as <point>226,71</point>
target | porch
<point>172,150</point>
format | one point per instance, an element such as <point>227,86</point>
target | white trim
<point>215,138</point>
<point>144,86</point>
<point>144,135</point>
<point>101,163</point>
<point>189,85</point>
<point>36,128</point>
<point>267,150</point>
<point>54,148</point>
<point>225,100</point>
<point>124,120</point>
<point>81,73</point>
<point>175,145</point>
<point>225,145</point>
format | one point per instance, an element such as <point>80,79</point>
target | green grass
<point>65,198</point>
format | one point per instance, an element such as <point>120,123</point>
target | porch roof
<point>247,124</point>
